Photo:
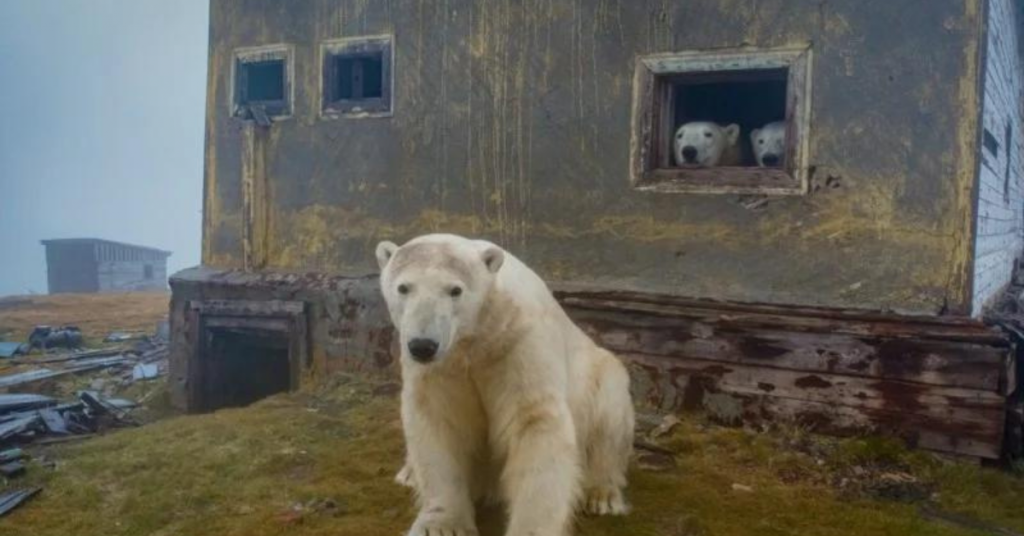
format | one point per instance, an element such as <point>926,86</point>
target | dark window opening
<point>1009,159</point>
<point>357,76</point>
<point>262,84</point>
<point>264,81</point>
<point>750,99</point>
<point>243,365</point>
<point>991,143</point>
<point>147,271</point>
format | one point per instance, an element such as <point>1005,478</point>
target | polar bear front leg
<point>439,462</point>
<point>541,476</point>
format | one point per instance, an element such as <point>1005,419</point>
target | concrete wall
<point>512,121</point>
<point>1000,215</point>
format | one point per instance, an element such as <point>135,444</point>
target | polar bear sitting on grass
<point>707,144</point>
<point>503,397</point>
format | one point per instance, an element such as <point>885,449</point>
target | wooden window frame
<point>242,57</point>
<point>653,113</point>
<point>382,106</point>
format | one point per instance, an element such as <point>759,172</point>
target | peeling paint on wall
<point>511,121</point>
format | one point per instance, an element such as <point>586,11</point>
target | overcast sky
<point>101,128</point>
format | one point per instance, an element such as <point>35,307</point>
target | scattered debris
<point>742,488</point>
<point>145,371</point>
<point>654,458</point>
<point>23,402</point>
<point>11,349</point>
<point>89,414</point>
<point>46,337</point>
<point>121,336</point>
<point>12,469</point>
<point>163,330</point>
<point>11,455</point>
<point>668,423</point>
<point>13,499</point>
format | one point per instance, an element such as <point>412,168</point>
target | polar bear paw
<point>404,477</point>
<point>605,501</point>
<point>431,525</point>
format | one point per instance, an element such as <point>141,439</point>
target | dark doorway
<point>244,351</point>
<point>244,365</point>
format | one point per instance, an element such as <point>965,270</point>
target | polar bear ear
<point>385,250</point>
<point>732,133</point>
<point>493,258</point>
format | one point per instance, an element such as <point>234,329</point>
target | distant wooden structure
<point>94,265</point>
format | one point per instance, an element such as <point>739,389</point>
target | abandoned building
<point>94,265</point>
<point>846,289</point>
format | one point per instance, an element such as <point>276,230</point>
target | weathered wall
<point>1000,213</point>
<point>131,275</point>
<point>71,268</point>
<point>511,121</point>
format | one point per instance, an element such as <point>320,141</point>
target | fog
<point>102,108</point>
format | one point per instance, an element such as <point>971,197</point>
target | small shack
<point>95,265</point>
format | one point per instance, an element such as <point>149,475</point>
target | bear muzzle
<point>771,160</point>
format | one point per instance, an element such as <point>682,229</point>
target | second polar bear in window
<point>707,144</point>
<point>769,144</point>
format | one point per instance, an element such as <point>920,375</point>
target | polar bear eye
<point>403,289</point>
<point>760,142</point>
<point>707,134</point>
<point>455,292</point>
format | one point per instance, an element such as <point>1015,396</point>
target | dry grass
<point>318,463</point>
<point>95,314</point>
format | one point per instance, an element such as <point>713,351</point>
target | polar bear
<point>769,144</point>
<point>503,396</point>
<point>707,144</point>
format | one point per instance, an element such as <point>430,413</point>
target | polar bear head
<point>435,287</point>
<point>769,143</point>
<point>702,143</point>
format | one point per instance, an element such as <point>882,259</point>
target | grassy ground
<point>321,462</point>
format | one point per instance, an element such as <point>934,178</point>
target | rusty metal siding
<point>511,121</point>
<point>1000,213</point>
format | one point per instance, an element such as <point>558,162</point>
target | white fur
<point>519,405</point>
<point>769,140</point>
<point>712,144</point>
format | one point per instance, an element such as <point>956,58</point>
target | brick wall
<point>1000,229</point>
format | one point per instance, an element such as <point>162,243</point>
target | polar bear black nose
<point>770,159</point>
<point>689,153</point>
<point>422,350</point>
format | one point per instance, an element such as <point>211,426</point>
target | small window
<point>147,271</point>
<point>356,74</point>
<point>722,122</point>
<point>991,143</point>
<point>262,82</point>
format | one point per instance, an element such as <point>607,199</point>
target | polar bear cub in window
<point>707,144</point>
<point>769,144</point>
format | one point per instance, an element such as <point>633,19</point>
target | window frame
<point>654,112</point>
<point>275,109</point>
<point>330,51</point>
